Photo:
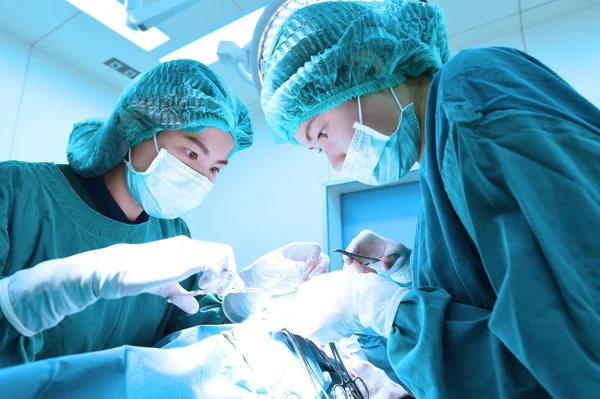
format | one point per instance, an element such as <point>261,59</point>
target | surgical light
<point>205,48</point>
<point>114,15</point>
<point>250,61</point>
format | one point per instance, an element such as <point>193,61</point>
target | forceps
<point>231,291</point>
<point>358,258</point>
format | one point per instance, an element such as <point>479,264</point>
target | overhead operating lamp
<point>250,60</point>
<point>205,49</point>
<point>142,18</point>
<point>113,15</point>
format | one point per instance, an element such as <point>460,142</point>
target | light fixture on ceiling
<point>250,61</point>
<point>140,17</point>
<point>114,15</point>
<point>205,49</point>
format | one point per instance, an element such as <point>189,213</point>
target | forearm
<point>38,298</point>
<point>440,349</point>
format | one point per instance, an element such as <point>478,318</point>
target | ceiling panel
<point>484,33</point>
<point>84,34</point>
<point>527,4</point>
<point>31,19</point>
<point>251,5</point>
<point>463,15</point>
<point>554,9</point>
<point>87,44</point>
<point>207,16</point>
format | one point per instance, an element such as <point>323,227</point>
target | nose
<point>206,172</point>
<point>336,160</point>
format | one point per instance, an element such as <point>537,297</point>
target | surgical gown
<point>507,251</point>
<point>196,363</point>
<point>44,216</point>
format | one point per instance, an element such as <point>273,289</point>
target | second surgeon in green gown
<point>89,251</point>
<point>505,295</point>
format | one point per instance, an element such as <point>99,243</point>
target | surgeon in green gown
<point>505,293</point>
<point>90,251</point>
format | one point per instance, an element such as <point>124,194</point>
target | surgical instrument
<point>357,257</point>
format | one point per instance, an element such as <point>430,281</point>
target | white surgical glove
<point>341,303</point>
<point>393,255</point>
<point>38,298</point>
<point>281,271</point>
<point>278,272</point>
<point>379,385</point>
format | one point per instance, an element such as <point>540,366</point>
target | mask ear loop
<point>359,111</point>
<point>399,106</point>
<point>156,144</point>
<point>397,101</point>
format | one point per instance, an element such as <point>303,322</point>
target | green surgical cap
<point>328,53</point>
<point>177,95</point>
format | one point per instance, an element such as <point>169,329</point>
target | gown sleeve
<point>525,185</point>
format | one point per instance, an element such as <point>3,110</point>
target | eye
<point>191,154</point>
<point>322,134</point>
<point>214,170</point>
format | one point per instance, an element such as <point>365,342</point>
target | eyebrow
<point>204,149</point>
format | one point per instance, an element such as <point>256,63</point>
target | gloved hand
<point>341,303</point>
<point>38,298</point>
<point>368,243</point>
<point>279,272</point>
<point>379,385</point>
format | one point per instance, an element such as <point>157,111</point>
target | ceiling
<point>58,28</point>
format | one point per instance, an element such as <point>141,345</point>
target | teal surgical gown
<point>43,216</point>
<point>507,251</point>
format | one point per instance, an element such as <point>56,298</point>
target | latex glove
<point>341,303</point>
<point>368,243</point>
<point>281,271</point>
<point>278,272</point>
<point>38,298</point>
<point>379,385</point>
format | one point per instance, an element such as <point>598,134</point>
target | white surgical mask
<point>169,188</point>
<point>374,158</point>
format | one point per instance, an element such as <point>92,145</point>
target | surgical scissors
<point>349,387</point>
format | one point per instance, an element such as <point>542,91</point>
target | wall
<point>13,56</point>
<point>569,45</point>
<point>269,195</point>
<point>36,126</point>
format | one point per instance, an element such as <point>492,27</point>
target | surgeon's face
<point>206,152</point>
<point>330,132</point>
